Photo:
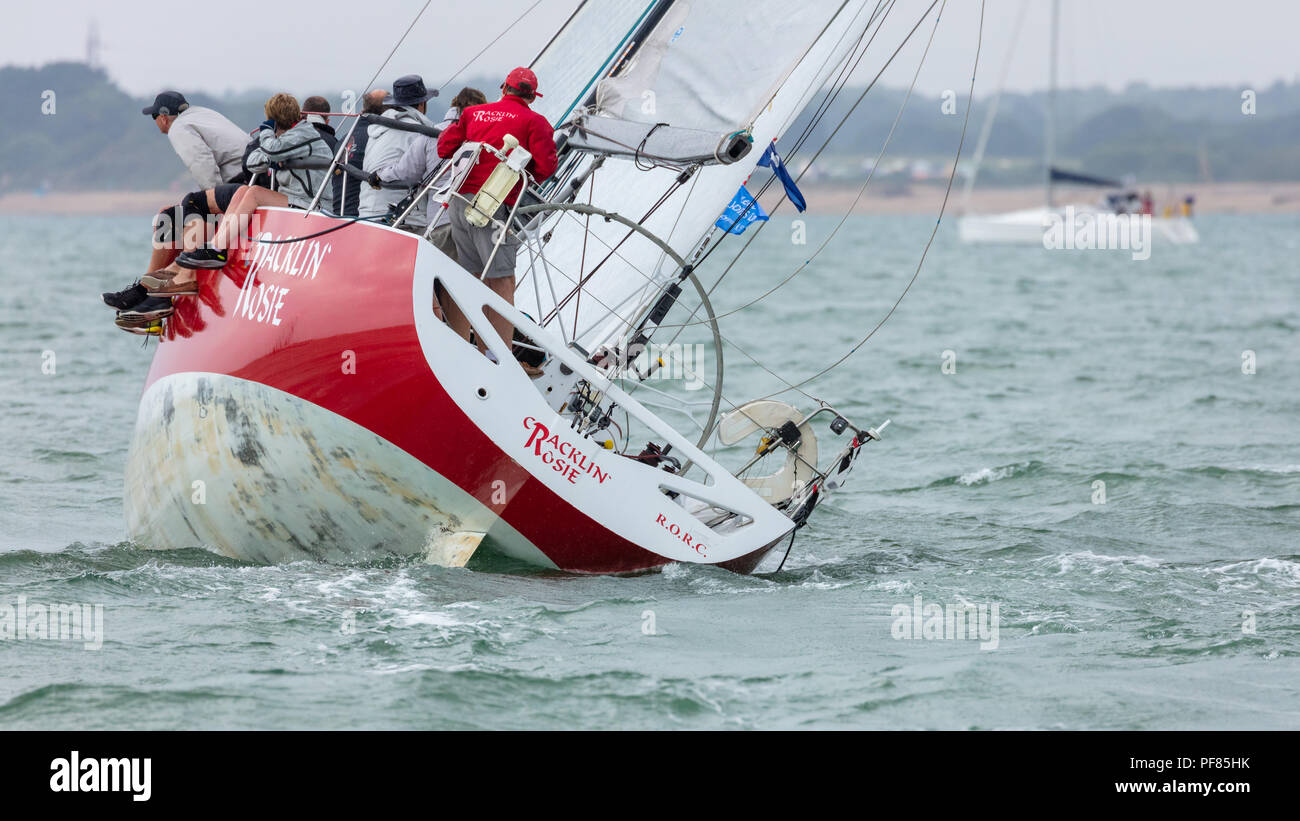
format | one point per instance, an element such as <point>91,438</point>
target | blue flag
<point>772,160</point>
<point>743,212</point>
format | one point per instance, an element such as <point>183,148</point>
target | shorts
<point>441,239</point>
<point>224,193</point>
<point>193,205</point>
<point>474,244</point>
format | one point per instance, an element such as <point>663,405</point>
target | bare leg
<point>455,316</point>
<point>246,200</point>
<point>163,257</point>
<point>236,202</point>
<point>503,287</point>
<point>195,234</point>
<point>162,253</point>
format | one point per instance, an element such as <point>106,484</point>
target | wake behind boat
<point>308,402</point>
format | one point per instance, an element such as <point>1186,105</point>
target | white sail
<point>582,51</point>
<point>713,70</point>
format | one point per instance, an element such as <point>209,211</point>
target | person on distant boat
<point>314,108</point>
<point>490,124</point>
<point>210,145</point>
<point>1187,205</point>
<point>385,146</point>
<point>1148,204</point>
<point>421,159</point>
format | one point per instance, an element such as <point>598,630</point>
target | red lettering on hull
<point>563,457</point>
<point>685,538</point>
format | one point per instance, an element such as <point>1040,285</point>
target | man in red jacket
<point>489,124</point>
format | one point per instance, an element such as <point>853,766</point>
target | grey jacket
<point>302,142</point>
<point>420,158</point>
<point>211,146</point>
<point>384,148</point>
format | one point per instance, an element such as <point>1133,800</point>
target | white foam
<point>984,475</point>
<point>1097,562</point>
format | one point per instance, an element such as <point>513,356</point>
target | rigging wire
<point>846,72</point>
<point>862,190</point>
<point>691,319</point>
<point>739,349</point>
<point>483,50</point>
<point>987,130</point>
<point>672,189</point>
<point>614,313</point>
<point>338,154</point>
<point>833,133</point>
<point>946,194</point>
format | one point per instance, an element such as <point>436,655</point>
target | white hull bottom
<point>1028,227</point>
<point>260,475</point>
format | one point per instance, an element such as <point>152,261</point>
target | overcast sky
<point>326,46</point>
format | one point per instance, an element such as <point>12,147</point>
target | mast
<point>1049,140</point>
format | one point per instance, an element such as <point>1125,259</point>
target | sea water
<point>1098,456</point>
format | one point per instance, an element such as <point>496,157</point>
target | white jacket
<point>211,146</point>
<point>385,147</point>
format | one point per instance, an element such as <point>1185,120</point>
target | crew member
<point>211,146</point>
<point>489,124</point>
<point>421,159</point>
<point>371,103</point>
<point>385,146</point>
<point>314,110</point>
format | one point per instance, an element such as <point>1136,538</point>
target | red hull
<point>332,323</point>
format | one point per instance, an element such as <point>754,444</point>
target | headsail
<point>694,71</point>
<point>588,45</point>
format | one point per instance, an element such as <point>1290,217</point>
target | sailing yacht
<point>309,403</point>
<point>1029,226</point>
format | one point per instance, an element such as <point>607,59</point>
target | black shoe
<point>155,307</point>
<point>127,298</point>
<point>202,258</point>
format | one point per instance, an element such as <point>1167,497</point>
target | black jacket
<point>331,139</point>
<point>356,157</point>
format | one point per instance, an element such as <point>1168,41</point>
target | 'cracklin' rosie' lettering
<point>262,301</point>
<point>563,457</point>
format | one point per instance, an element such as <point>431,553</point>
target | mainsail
<point>686,81</point>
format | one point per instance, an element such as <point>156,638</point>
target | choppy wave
<point>1128,614</point>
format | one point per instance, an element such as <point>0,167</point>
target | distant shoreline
<point>1211,198</point>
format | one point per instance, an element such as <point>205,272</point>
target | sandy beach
<point>881,198</point>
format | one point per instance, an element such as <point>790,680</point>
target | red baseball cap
<point>523,79</point>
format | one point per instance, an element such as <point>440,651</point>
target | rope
<point>947,192</point>
<point>338,227</point>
